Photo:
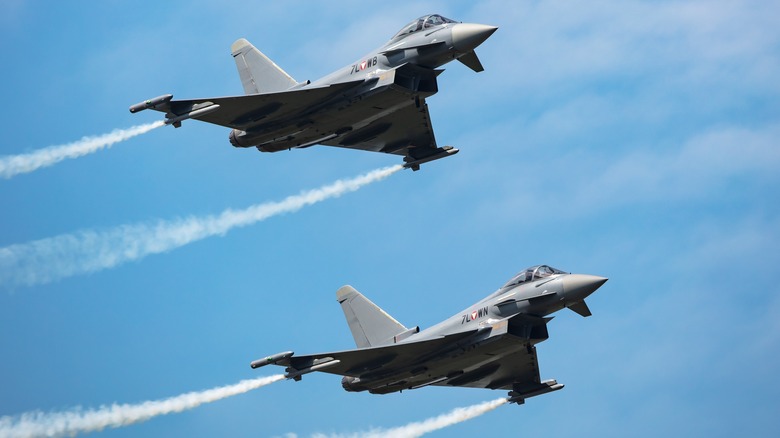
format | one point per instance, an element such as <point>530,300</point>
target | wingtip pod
<point>518,396</point>
<point>445,151</point>
<point>273,359</point>
<point>158,101</point>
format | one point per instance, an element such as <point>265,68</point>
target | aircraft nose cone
<point>579,286</point>
<point>467,36</point>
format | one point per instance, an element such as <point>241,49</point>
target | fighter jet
<point>490,344</point>
<point>375,104</point>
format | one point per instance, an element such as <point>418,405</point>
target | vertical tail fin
<point>258,73</point>
<point>370,325</point>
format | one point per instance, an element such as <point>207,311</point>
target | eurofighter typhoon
<point>375,104</point>
<point>490,344</point>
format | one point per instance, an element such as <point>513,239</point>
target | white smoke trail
<point>53,258</point>
<point>420,428</point>
<point>53,424</point>
<point>13,165</point>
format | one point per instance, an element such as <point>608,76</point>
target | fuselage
<point>537,291</point>
<point>428,42</point>
<point>509,320</point>
<point>399,74</point>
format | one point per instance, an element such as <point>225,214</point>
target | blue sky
<point>636,140</point>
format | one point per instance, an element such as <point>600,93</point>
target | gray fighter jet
<point>375,104</point>
<point>490,344</point>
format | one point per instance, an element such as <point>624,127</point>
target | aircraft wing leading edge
<point>386,113</point>
<point>517,371</point>
<point>244,112</point>
<point>361,361</point>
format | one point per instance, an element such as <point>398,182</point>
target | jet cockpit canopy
<point>531,274</point>
<point>424,22</point>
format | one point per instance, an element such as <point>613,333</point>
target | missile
<point>295,374</point>
<point>273,359</point>
<point>176,121</point>
<point>446,152</point>
<point>151,103</point>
